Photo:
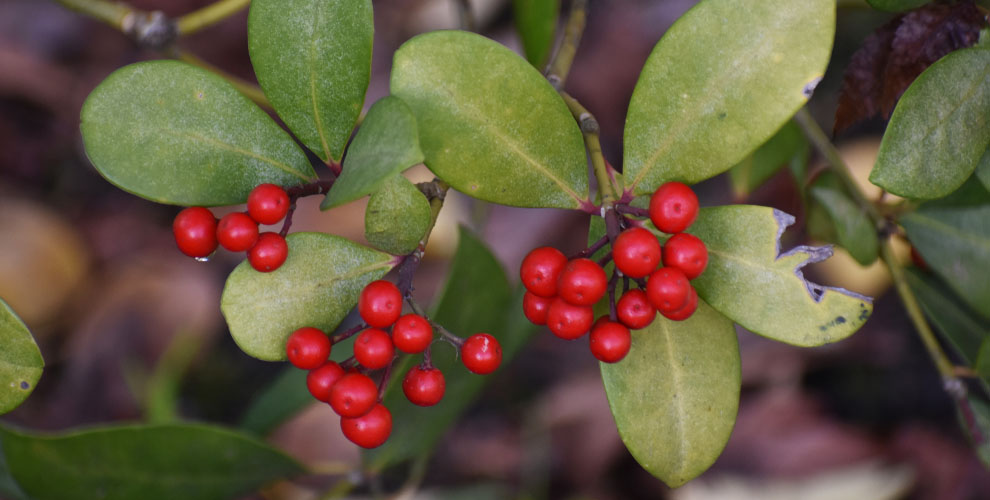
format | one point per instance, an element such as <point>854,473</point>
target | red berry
<point>684,312</point>
<point>610,341</point>
<point>412,334</point>
<point>668,289</point>
<point>370,430</point>
<point>567,320</point>
<point>380,304</point>
<point>636,252</point>
<point>540,270</point>
<point>373,349</point>
<point>319,381</point>
<point>353,395</point>
<point>237,232</point>
<point>635,310</point>
<point>268,253</point>
<point>423,387</point>
<point>686,252</point>
<point>673,207</point>
<point>195,231</point>
<point>535,308</point>
<point>307,348</point>
<point>481,353</point>
<point>268,203</point>
<point>582,282</point>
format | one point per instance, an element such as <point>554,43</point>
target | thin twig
<point>560,65</point>
<point>209,15</point>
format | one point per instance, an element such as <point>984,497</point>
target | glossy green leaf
<point>387,143</point>
<point>939,129</point>
<point>21,363</point>
<point>853,228</point>
<point>187,461</point>
<point>489,124</point>
<point>476,298</point>
<point>965,330</point>
<point>722,80</point>
<point>983,169</point>
<point>896,5</point>
<point>536,21</point>
<point>313,60</point>
<point>397,217</point>
<point>749,280</point>
<point>675,395</point>
<point>174,133</point>
<point>317,285</point>
<point>784,147</point>
<point>955,242</point>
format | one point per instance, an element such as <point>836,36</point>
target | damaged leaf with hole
<point>21,363</point>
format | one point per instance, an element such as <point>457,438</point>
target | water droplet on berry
<point>205,259</point>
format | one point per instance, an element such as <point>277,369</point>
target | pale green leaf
<point>783,148</point>
<point>749,280</point>
<point>21,363</point>
<point>317,285</point>
<point>536,21</point>
<point>174,133</point>
<point>313,60</point>
<point>853,228</point>
<point>723,79</point>
<point>386,144</point>
<point>939,130</point>
<point>397,216</point>
<point>896,5</point>
<point>187,461</point>
<point>489,123</point>
<point>675,395</point>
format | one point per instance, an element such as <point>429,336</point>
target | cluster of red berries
<point>198,233</point>
<point>353,394</point>
<point>561,292</point>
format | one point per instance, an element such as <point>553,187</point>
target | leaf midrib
<point>679,422</point>
<point>311,59</point>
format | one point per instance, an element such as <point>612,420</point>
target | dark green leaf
<point>939,130</point>
<point>896,5</point>
<point>174,133</point>
<point>20,360</point>
<point>313,60</point>
<point>722,81</point>
<point>536,21</point>
<point>982,364</point>
<point>397,217</point>
<point>187,461</point>
<point>476,298</point>
<point>9,489</point>
<point>387,143</point>
<point>749,280</point>
<point>853,227</point>
<point>983,169</point>
<point>783,148</point>
<point>490,124</point>
<point>316,286</point>
<point>975,421</point>
<point>955,242</point>
<point>675,395</point>
<point>964,329</point>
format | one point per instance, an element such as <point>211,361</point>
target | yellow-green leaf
<point>21,363</point>
<point>397,216</point>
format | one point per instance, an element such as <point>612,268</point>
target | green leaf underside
<point>769,158</point>
<point>983,170</point>
<point>896,5</point>
<point>317,286</point>
<point>964,329</point>
<point>723,79</point>
<point>939,130</point>
<point>387,143</point>
<point>21,363</point>
<point>854,230</point>
<point>187,461</point>
<point>476,298</point>
<point>536,21</point>
<point>675,395</point>
<point>173,133</point>
<point>749,280</point>
<point>489,124</point>
<point>397,217</point>
<point>955,242</point>
<point>313,60</point>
